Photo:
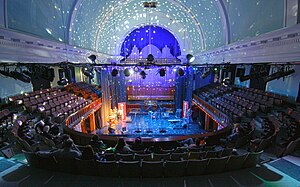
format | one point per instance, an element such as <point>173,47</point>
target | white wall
<point>10,87</point>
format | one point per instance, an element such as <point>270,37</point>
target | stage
<point>145,126</point>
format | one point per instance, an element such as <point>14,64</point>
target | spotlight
<point>206,73</point>
<point>114,72</point>
<point>190,58</point>
<point>92,58</point>
<point>162,72</point>
<point>88,72</point>
<point>136,69</point>
<point>143,74</point>
<point>180,72</point>
<point>150,58</point>
<point>127,72</point>
<point>63,82</point>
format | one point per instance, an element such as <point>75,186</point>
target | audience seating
<point>142,168</point>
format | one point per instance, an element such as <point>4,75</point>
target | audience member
<point>89,154</point>
<point>96,143</point>
<point>66,152</point>
<point>121,146</point>
<point>138,144</point>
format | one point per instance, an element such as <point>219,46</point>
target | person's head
<point>120,143</point>
<point>65,137</point>
<point>68,143</point>
<point>95,138</point>
<point>138,140</point>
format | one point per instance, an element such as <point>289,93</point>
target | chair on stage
<point>196,167</point>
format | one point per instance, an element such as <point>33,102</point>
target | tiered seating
<point>135,168</point>
<point>84,90</point>
<point>50,102</point>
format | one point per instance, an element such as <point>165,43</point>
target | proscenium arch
<point>181,43</point>
<point>220,6</point>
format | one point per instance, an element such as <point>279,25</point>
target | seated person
<point>46,133</point>
<point>233,137</point>
<point>66,152</point>
<point>89,154</point>
<point>138,144</point>
<point>190,144</point>
<point>120,147</point>
<point>96,143</point>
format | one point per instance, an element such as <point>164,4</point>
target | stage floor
<point>143,125</point>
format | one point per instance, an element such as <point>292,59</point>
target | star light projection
<point>102,25</point>
<point>107,23</point>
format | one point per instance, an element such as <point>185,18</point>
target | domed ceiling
<point>102,25</point>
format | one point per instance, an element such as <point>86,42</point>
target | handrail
<point>79,115</point>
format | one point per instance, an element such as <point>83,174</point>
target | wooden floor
<point>21,175</point>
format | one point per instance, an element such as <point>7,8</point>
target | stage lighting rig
<point>87,71</point>
<point>162,72</point>
<point>143,74</point>
<point>150,58</point>
<point>127,72</point>
<point>180,72</point>
<point>114,72</point>
<point>63,82</point>
<point>92,59</point>
<point>190,58</point>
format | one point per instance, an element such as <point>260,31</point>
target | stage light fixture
<point>143,74</point>
<point>162,72</point>
<point>92,58</point>
<point>180,72</point>
<point>126,72</point>
<point>114,72</point>
<point>136,69</point>
<point>190,58</point>
<point>88,72</point>
<point>150,58</point>
<point>63,82</point>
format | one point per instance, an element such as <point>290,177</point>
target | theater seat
<point>174,168</point>
<point>130,169</point>
<point>235,162</point>
<point>196,167</point>
<point>216,165</point>
<point>152,169</point>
